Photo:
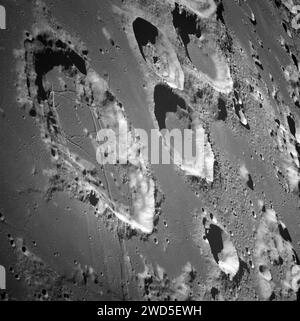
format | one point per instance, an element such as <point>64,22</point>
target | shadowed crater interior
<point>49,54</point>
<point>144,32</point>
<point>214,237</point>
<point>185,24</point>
<point>165,101</point>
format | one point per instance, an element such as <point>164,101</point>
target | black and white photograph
<point>150,155</point>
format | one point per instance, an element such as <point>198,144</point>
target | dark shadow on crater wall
<point>144,32</point>
<point>185,24</point>
<point>165,101</point>
<point>214,237</point>
<point>49,54</point>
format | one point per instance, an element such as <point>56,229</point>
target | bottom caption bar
<point>143,310</point>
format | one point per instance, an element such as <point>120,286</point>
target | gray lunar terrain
<point>223,228</point>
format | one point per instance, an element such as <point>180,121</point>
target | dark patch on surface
<point>277,3</point>
<point>214,292</point>
<point>32,112</point>
<point>295,60</point>
<point>250,182</point>
<point>253,21</point>
<point>259,64</point>
<point>48,54</point>
<point>284,26</point>
<point>214,237</point>
<point>284,233</point>
<point>292,126</point>
<point>219,12</point>
<point>165,101</point>
<point>93,199</point>
<point>144,32</point>
<point>222,112</point>
<point>186,24</point>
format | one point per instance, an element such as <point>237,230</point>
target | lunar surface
<point>90,90</point>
